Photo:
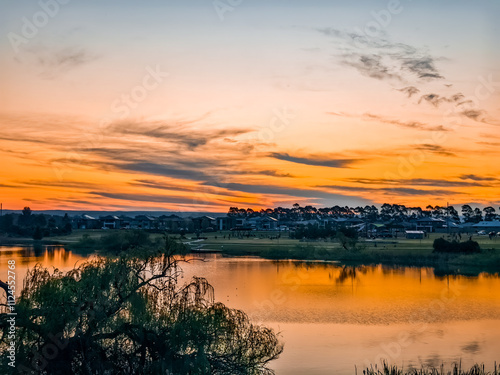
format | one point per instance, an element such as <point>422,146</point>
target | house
<point>268,223</point>
<point>415,234</point>
<point>240,222</point>
<point>487,226</point>
<point>110,222</point>
<point>126,222</point>
<point>170,223</point>
<point>429,224</point>
<point>145,222</point>
<point>86,222</point>
<point>204,223</point>
<point>312,222</point>
<point>226,223</point>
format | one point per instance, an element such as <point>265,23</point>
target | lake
<point>333,318</point>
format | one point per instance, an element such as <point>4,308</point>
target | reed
<point>456,369</point>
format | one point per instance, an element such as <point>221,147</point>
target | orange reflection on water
<point>27,257</point>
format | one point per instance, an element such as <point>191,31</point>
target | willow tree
<point>129,315</point>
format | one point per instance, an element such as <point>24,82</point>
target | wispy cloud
<point>436,99</point>
<point>435,149</point>
<point>416,182</point>
<point>315,160</point>
<point>423,67</point>
<point>408,191</point>
<point>179,132</point>
<point>53,61</point>
<point>380,58</point>
<point>475,177</point>
<point>416,125</point>
<point>409,90</point>
<point>290,192</point>
<point>371,66</point>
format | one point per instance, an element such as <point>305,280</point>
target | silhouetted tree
<point>489,214</point>
<point>129,315</point>
<point>467,213</point>
<point>38,234</point>
<point>478,215</point>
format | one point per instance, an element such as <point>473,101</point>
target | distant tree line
<point>29,224</point>
<point>372,213</point>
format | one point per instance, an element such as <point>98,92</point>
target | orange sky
<point>175,106</point>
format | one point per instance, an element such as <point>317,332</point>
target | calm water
<point>332,318</point>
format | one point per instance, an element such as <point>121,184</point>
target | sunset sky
<point>200,105</point>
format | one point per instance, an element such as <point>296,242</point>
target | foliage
<point>26,224</point>
<point>128,315</point>
<point>348,238</point>
<point>117,242</point>
<point>371,214</point>
<point>37,234</point>
<point>313,232</point>
<point>443,246</point>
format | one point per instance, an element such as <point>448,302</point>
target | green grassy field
<point>397,251</point>
<point>217,242</point>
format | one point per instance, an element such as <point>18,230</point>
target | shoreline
<point>487,261</point>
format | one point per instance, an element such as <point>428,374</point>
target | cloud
<point>291,192</point>
<point>315,160</point>
<point>436,99</point>
<point>409,90</point>
<point>407,124</point>
<point>474,114</point>
<point>267,172</point>
<point>415,182</point>
<point>435,149</point>
<point>490,144</point>
<point>66,184</point>
<point>423,67</point>
<point>53,61</point>
<point>433,99</point>
<point>371,66</point>
<point>152,184</point>
<point>380,58</point>
<point>165,199</point>
<point>167,170</point>
<point>392,190</point>
<point>176,132</point>
<point>475,177</point>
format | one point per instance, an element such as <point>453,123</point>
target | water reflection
<point>26,257</point>
<point>333,317</point>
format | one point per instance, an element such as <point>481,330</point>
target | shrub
<point>443,246</point>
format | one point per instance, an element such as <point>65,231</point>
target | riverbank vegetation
<point>343,248</point>
<point>456,369</point>
<point>127,313</point>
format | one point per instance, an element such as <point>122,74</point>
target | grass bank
<point>269,245</point>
